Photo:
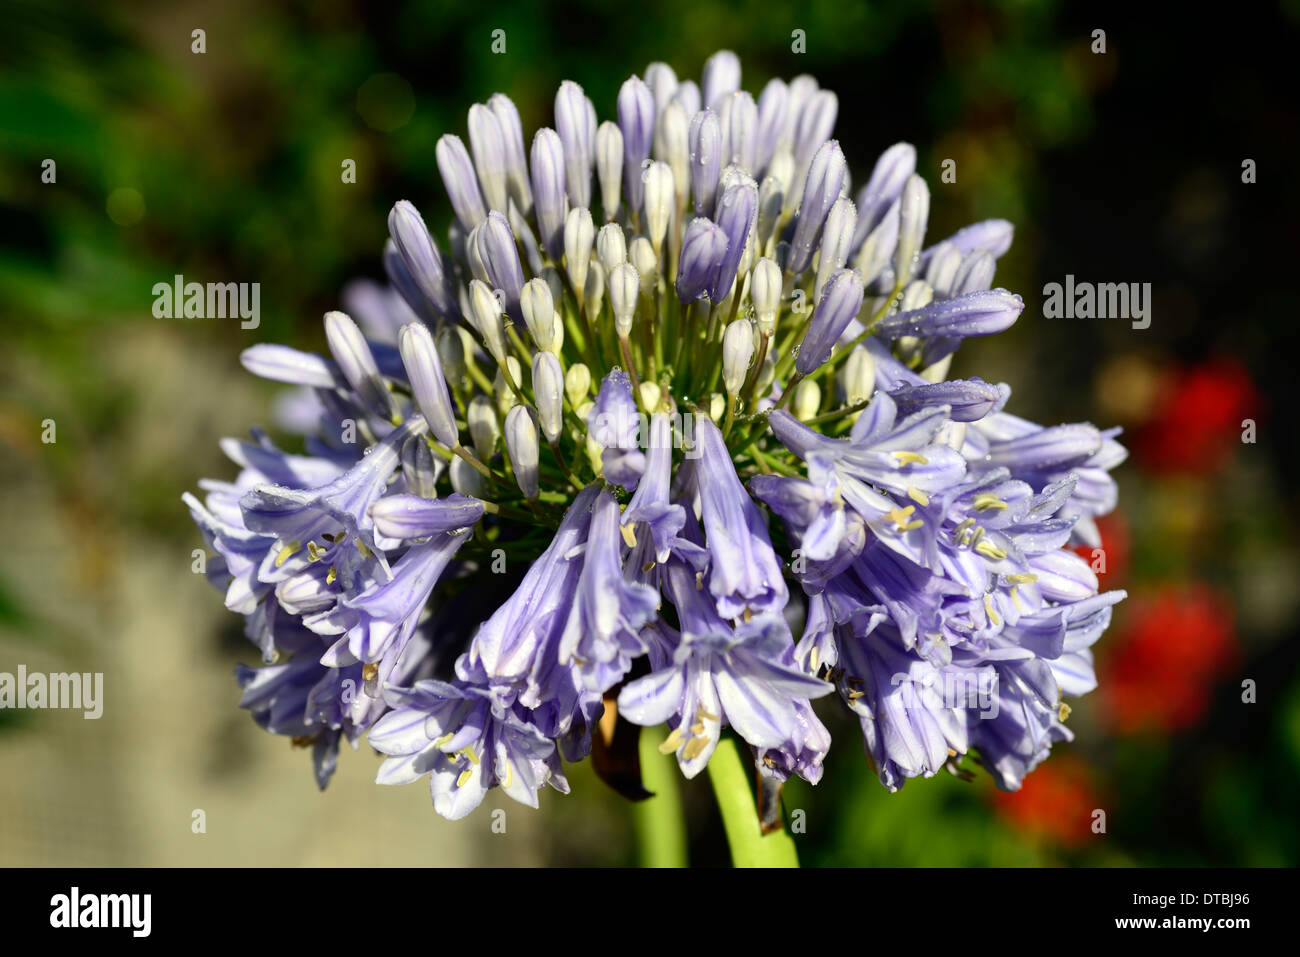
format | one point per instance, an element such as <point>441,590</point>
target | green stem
<point>660,826</point>
<point>750,847</point>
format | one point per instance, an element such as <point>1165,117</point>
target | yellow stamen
<point>917,496</point>
<point>468,751</point>
<point>1015,597</point>
<point>694,747</point>
<point>286,552</point>
<point>989,550</point>
<point>910,458</point>
<point>464,777</point>
<point>369,672</point>
<point>510,775</point>
<point>988,607</point>
<point>629,535</point>
<point>443,740</point>
<point>1021,579</point>
<point>332,576</point>
<point>987,500</point>
<point>1063,711</point>
<point>672,742</point>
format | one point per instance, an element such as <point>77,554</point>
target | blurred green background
<point>225,166</point>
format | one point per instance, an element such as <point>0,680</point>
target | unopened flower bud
<point>737,351</point>
<point>641,255</point>
<point>486,312</point>
<point>577,383</point>
<point>548,390</point>
<point>611,246</point>
<point>579,234</point>
<point>357,363</point>
<point>539,311</point>
<point>483,428</point>
<point>466,479</point>
<point>765,290</point>
<point>913,213</point>
<point>624,288</point>
<point>659,199</point>
<point>424,372</point>
<point>807,399</point>
<point>650,394</point>
<point>859,376</point>
<point>609,166</point>
<point>451,351</point>
<point>522,447</point>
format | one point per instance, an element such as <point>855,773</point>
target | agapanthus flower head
<point>598,459</point>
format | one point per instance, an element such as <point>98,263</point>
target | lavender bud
<point>636,119</point>
<point>773,109</point>
<point>423,264</point>
<point>840,302</point>
<point>512,137</point>
<point>721,76</point>
<point>705,160</point>
<point>466,479</point>
<point>837,236</point>
<point>574,121</point>
<point>357,363</point>
<point>738,117</point>
<point>821,191</point>
<point>458,177</point>
<point>884,187</point>
<point>737,210</point>
<point>704,246</point>
<point>424,372</point>
<point>548,190</point>
<point>488,146</point>
<point>500,258</point>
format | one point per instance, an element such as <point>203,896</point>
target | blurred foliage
<point>1125,166</point>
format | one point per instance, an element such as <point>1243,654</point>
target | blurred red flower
<point>1197,418</point>
<point>1056,801</point>
<point>1112,565</point>
<point>1172,647</point>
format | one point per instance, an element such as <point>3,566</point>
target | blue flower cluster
<point>697,468</point>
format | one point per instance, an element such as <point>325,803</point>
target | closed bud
<point>357,363</point>
<point>841,300</point>
<point>424,268</point>
<point>673,135</point>
<point>549,198</point>
<point>642,255</point>
<point>488,146</point>
<point>737,352</point>
<point>721,76</point>
<point>424,372</point>
<point>451,350</point>
<point>859,376</point>
<point>624,287</point>
<point>579,235</point>
<point>458,177</point>
<point>595,290</point>
<point>705,141</point>
<point>611,246</point>
<point>765,290</point>
<point>659,198</point>
<point>522,448</point>
<point>837,236</point>
<point>483,429</point>
<point>914,212</point>
<point>609,166</point>
<point>704,247</point>
<point>575,122</point>
<point>807,399</point>
<point>419,468</point>
<point>821,191</point>
<point>577,384</point>
<point>650,394</point>
<point>636,120</point>
<point>539,311</point>
<point>941,268</point>
<point>466,479</point>
<point>548,390</point>
<point>512,134</point>
<point>503,393</point>
<point>485,311</point>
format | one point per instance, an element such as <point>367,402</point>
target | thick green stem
<point>660,826</point>
<point>750,847</point>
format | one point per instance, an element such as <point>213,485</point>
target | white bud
<point>485,310</point>
<point>557,335</point>
<point>913,213</point>
<point>609,166</point>
<point>548,390</point>
<point>807,399</point>
<point>579,234</point>
<point>428,387</point>
<point>763,383</point>
<point>765,291</point>
<point>611,246</point>
<point>717,406</point>
<point>641,255</point>
<point>939,371</point>
<point>466,479</point>
<point>859,376</point>
<point>650,394</point>
<point>781,169</point>
<point>483,429</point>
<point>522,447</point>
<point>624,286</point>
<point>577,384</point>
<point>595,291</point>
<point>659,199</point>
<point>771,197</point>
<point>673,133</point>
<point>917,295</point>
<point>737,352</point>
<point>538,308</point>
